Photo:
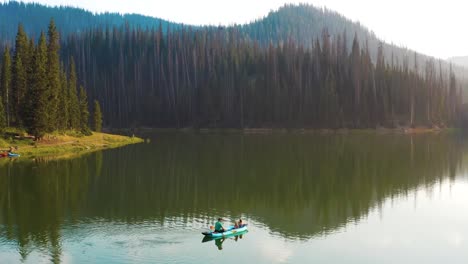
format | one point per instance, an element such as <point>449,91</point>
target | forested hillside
<point>68,19</point>
<point>297,67</point>
<point>217,78</point>
<point>303,23</point>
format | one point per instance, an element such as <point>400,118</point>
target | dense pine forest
<point>303,23</point>
<point>35,91</point>
<point>269,73</point>
<point>217,78</point>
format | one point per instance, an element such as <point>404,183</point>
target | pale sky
<point>437,28</point>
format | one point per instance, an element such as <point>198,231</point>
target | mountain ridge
<point>69,19</point>
<point>302,22</point>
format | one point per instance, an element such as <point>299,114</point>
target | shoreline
<point>253,131</point>
<point>64,145</point>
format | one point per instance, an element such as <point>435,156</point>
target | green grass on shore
<point>66,144</point>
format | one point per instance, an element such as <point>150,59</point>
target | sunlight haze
<point>430,27</point>
<point>260,131</point>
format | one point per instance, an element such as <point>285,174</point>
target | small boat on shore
<point>13,155</point>
<point>231,231</point>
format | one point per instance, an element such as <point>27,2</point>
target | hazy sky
<point>437,28</point>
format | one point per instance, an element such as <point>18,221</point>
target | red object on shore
<point>3,154</point>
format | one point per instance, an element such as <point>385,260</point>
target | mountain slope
<point>68,19</point>
<point>302,23</point>
<point>460,60</point>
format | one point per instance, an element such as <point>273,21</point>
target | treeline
<point>217,78</point>
<point>305,22</point>
<point>35,16</point>
<point>36,93</point>
<point>301,22</point>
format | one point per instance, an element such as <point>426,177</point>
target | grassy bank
<point>59,144</point>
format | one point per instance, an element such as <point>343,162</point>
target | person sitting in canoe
<point>240,223</point>
<point>219,226</point>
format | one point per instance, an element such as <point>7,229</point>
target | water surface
<point>307,198</point>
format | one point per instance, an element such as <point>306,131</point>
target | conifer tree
<point>29,64</point>
<point>53,76</point>
<point>355,59</point>
<point>84,112</point>
<point>19,74</point>
<point>63,116</point>
<point>37,115</point>
<point>5,83</point>
<point>97,117</point>
<point>74,108</point>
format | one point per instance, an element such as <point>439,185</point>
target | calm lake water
<point>306,198</point>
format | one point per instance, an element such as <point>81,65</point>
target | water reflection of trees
<point>298,185</point>
<point>37,196</point>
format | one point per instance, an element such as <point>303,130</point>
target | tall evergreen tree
<point>37,115</point>
<point>5,83</point>
<point>63,116</point>
<point>74,107</point>
<point>355,58</point>
<point>97,117</point>
<point>31,50</point>
<point>53,76</point>
<point>19,74</point>
<point>84,112</point>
